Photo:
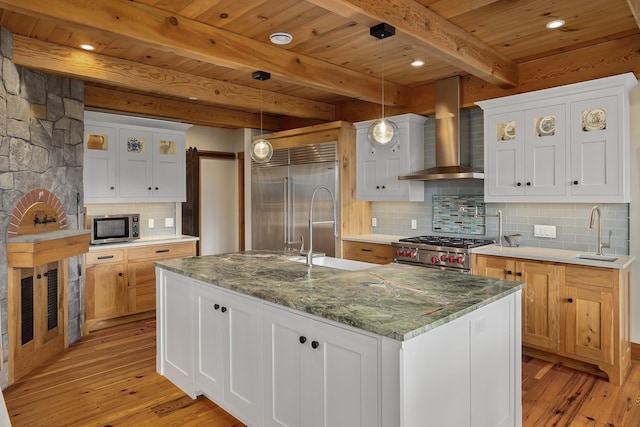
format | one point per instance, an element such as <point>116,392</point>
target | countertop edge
<point>374,238</point>
<point>145,242</point>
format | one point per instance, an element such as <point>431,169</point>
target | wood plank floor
<point>108,379</point>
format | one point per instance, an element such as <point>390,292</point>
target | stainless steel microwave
<point>115,228</point>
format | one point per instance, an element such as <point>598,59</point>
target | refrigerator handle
<point>285,206</point>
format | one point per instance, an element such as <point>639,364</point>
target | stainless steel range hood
<point>452,137</point>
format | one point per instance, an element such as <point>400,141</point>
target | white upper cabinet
<point>569,143</point>
<point>378,168</point>
<point>130,158</point>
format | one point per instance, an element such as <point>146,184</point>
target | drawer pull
<point>105,257</point>
<point>365,249</point>
<point>159,251</point>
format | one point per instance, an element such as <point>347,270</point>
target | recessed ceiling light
<point>417,63</point>
<point>87,46</point>
<point>280,38</point>
<point>555,23</point>
<point>193,98</point>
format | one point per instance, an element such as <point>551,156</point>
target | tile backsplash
<point>571,219</point>
<point>456,214</point>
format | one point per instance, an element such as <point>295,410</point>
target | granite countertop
<point>152,240</point>
<point>393,300</point>
<point>554,255</point>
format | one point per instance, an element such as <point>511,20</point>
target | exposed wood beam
<point>188,112</point>
<point>61,60</point>
<point>185,37</point>
<point>449,42</point>
<point>448,9</point>
<point>634,5</point>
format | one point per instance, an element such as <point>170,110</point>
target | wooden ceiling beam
<point>182,36</point>
<point>76,63</point>
<point>445,40</point>
<point>634,5</point>
<point>187,112</point>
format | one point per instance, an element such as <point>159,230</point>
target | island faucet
<point>312,222</point>
<point>464,209</point>
<point>592,217</point>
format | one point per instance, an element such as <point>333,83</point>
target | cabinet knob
<point>156,188</point>
<point>216,306</point>
<point>303,339</point>
<point>519,274</point>
<point>528,184</point>
<point>575,182</point>
<point>149,188</point>
<point>39,276</point>
<point>377,187</point>
<point>120,274</point>
<point>315,344</point>
<point>223,309</point>
<point>383,187</point>
<point>570,300</point>
<point>509,272</point>
<point>112,188</point>
<point>519,184</point>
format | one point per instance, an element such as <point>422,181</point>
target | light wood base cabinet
<point>571,311</point>
<point>122,281</point>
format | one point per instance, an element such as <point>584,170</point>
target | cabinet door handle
<point>223,309</point>
<point>216,306</point>
<point>315,344</point>
<point>160,251</point>
<point>509,272</point>
<point>519,184</point>
<point>528,184</point>
<point>575,182</point>
<point>156,188</point>
<point>149,188</point>
<point>105,257</point>
<point>365,249</point>
<point>39,276</point>
<point>519,274</point>
<point>303,339</point>
<point>112,188</point>
<point>570,300</point>
<point>120,274</point>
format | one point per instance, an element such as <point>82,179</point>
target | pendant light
<point>261,149</point>
<point>382,132</point>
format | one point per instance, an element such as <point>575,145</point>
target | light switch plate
<point>151,223</point>
<point>374,222</point>
<point>168,222</point>
<point>414,224</point>
<point>548,231</point>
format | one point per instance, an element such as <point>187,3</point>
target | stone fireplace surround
<point>41,134</point>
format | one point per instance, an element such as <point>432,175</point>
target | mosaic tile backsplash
<point>448,218</point>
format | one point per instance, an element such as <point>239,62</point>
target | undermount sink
<point>339,263</point>
<point>590,257</point>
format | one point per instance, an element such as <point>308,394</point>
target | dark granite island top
<point>395,301</point>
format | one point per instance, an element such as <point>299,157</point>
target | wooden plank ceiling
<point>151,56</point>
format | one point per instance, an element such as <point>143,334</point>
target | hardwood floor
<point>108,379</point>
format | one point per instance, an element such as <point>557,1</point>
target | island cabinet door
<point>227,362</point>
<point>175,330</point>
<point>317,374</point>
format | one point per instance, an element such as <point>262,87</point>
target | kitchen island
<point>277,343</point>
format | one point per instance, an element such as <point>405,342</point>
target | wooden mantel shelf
<point>32,250</point>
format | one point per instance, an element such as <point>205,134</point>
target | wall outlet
<point>414,224</point>
<point>151,223</point>
<point>548,231</point>
<point>168,222</point>
<point>374,222</point>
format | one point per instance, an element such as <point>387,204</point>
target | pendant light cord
<point>382,59</point>
<point>260,107</point>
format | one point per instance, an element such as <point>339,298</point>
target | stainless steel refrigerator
<point>281,193</point>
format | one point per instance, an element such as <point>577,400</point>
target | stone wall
<point>41,135</point>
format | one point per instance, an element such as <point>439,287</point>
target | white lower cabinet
<point>228,341</point>
<point>317,374</point>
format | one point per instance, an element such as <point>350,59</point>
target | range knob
<point>413,254</point>
<point>460,260</point>
<point>451,258</point>
<point>404,253</point>
<point>434,260</point>
<point>443,258</point>
<point>398,252</point>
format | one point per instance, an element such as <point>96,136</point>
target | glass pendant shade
<point>261,150</point>
<point>383,133</point>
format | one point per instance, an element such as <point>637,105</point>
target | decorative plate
<point>595,119</point>
<point>507,130</point>
<point>546,126</point>
<point>135,145</point>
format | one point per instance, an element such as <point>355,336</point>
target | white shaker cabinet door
<point>595,156</point>
<point>504,154</point>
<point>208,363</point>
<point>545,151</point>
<point>136,163</point>
<point>99,171</point>
<point>169,178</point>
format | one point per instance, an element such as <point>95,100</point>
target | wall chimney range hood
<point>452,137</point>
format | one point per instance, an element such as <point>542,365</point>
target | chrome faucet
<point>312,222</point>
<point>464,209</point>
<point>596,210</point>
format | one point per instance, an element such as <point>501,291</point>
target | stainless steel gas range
<point>445,253</point>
